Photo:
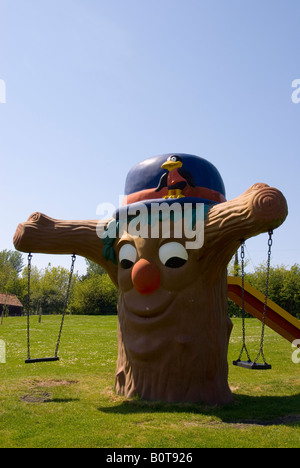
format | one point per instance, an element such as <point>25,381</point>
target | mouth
<point>150,307</point>
<point>145,323</point>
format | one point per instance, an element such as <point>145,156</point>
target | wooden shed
<point>12,303</point>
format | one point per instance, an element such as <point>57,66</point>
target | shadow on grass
<point>245,410</point>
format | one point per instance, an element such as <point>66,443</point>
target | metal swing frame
<point>29,360</point>
<point>249,364</point>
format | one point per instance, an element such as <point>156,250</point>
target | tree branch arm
<point>42,234</point>
<point>257,210</point>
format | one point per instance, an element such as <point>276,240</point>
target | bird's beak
<point>170,165</point>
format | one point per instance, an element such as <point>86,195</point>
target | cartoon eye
<point>127,256</point>
<point>173,254</point>
<point>173,158</point>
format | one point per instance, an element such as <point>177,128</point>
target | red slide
<point>276,318</point>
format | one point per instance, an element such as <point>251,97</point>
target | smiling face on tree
<point>152,271</point>
<point>152,274</point>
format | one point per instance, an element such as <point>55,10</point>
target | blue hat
<point>168,178</point>
<point>179,177</point>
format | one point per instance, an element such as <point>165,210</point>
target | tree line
<point>90,294</point>
<point>94,293</point>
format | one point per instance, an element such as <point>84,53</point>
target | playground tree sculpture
<point>173,328</point>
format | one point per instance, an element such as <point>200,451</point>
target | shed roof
<point>10,300</point>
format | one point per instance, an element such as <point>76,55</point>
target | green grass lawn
<point>71,403</point>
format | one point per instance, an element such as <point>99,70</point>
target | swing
<point>249,364</point>
<point>29,360</point>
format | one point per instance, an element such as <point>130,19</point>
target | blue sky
<point>95,86</point>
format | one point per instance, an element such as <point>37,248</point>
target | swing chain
<point>28,303</point>
<point>65,304</point>
<point>244,347</point>
<point>55,358</point>
<point>261,352</point>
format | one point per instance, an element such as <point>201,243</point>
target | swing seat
<point>55,357</point>
<point>252,365</point>
<point>48,359</point>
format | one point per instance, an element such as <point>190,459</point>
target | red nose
<point>145,277</point>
